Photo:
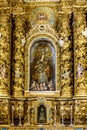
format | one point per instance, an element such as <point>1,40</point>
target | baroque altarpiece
<point>43,64</point>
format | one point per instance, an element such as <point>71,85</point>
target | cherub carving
<point>61,41</point>
<point>23,40</point>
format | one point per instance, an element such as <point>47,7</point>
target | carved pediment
<point>42,29</point>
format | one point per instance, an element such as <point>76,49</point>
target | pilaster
<point>65,43</point>
<point>5,51</point>
<point>80,41</point>
<point>18,56</point>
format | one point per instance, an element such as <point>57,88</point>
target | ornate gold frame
<point>35,35</point>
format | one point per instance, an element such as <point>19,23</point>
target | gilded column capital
<point>79,9</point>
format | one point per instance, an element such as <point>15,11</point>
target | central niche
<point>42,66</point>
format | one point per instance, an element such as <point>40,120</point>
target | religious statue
<point>23,40</point>
<point>79,70</point>
<point>42,118</point>
<point>17,73</point>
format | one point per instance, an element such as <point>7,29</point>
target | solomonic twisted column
<point>80,51</point>
<point>65,43</point>
<point>18,56</point>
<point>5,54</point>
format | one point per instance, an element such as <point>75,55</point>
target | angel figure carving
<point>61,41</point>
<point>23,40</point>
<point>84,33</point>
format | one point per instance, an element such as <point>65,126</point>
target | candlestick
<point>20,124</point>
<point>62,117</point>
<point>55,116</point>
<point>12,123</point>
<point>71,122</point>
<point>28,124</point>
<point>62,120</point>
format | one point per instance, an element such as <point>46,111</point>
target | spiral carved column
<point>80,51</point>
<point>18,56</point>
<point>5,54</point>
<point>65,43</point>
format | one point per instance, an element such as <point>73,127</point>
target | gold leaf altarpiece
<point>43,64</point>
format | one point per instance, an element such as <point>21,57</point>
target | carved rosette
<point>80,41</point>
<point>65,44</point>
<point>18,55</point>
<point>5,54</point>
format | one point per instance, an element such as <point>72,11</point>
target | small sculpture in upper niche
<point>84,33</point>
<point>79,70</point>
<point>3,71</point>
<point>65,75</point>
<point>23,40</point>
<point>42,16</point>
<point>61,41</point>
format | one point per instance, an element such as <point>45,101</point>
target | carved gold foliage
<point>66,54</point>
<point>67,3</point>
<point>18,108</point>
<point>4,111</point>
<point>80,112</point>
<point>18,58</point>
<point>80,52</point>
<point>65,109</point>
<point>5,54</point>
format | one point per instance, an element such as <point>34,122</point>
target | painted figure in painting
<point>43,70</point>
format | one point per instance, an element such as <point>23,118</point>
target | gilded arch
<point>31,39</point>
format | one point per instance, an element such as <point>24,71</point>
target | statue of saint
<point>42,118</point>
<point>79,70</point>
